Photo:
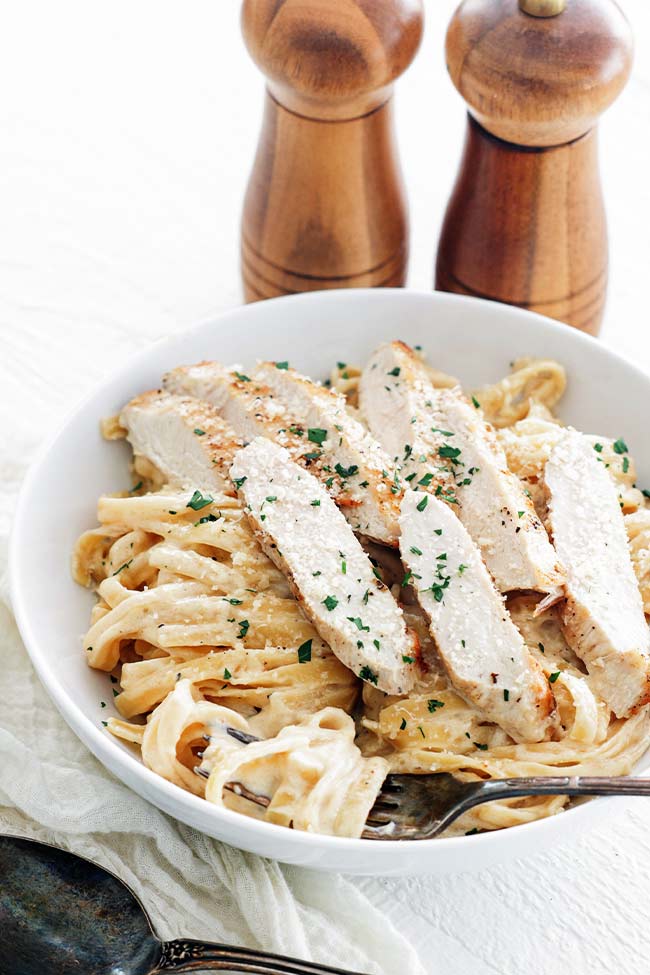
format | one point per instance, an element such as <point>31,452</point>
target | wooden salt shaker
<point>525,223</point>
<point>325,206</point>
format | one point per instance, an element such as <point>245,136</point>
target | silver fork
<point>420,807</point>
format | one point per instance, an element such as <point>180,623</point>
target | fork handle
<point>188,956</point>
<point>574,785</point>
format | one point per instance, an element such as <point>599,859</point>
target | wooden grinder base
<point>528,227</point>
<point>325,205</point>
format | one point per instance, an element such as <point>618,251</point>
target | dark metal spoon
<point>63,915</point>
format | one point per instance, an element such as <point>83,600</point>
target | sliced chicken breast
<point>445,447</point>
<point>186,440</point>
<point>483,652</point>
<point>603,617</point>
<point>314,426</point>
<point>247,405</point>
<point>354,468</point>
<point>306,536</point>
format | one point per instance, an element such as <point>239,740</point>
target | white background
<point>127,130</point>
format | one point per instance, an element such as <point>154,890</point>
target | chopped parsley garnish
<point>553,677</point>
<point>541,647</point>
<point>448,497</point>
<point>346,471</point>
<point>244,626</point>
<point>421,732</point>
<point>136,487</point>
<point>461,568</point>
<point>344,567</point>
<point>626,465</point>
<point>198,432</point>
<point>394,372</point>
<point>271,498</point>
<point>105,723</point>
<point>452,453</point>
<point>598,447</point>
<point>425,481</point>
<point>198,501</point>
<point>226,674</point>
<point>377,573</point>
<point>304,652</point>
<point>315,503</point>
<point>377,646</point>
<point>433,705</point>
<point>238,481</point>
<point>405,580</point>
<point>316,435</point>
<point>437,531</point>
<point>520,514</point>
<point>232,600</point>
<point>313,455</point>
<point>358,622</point>
<point>506,694</point>
<point>205,519</point>
<point>330,602</point>
<point>242,378</point>
<point>620,447</point>
<point>367,674</point>
<point>403,724</point>
<point>476,403</point>
<point>421,505</point>
<point>444,433</point>
<point>416,551</point>
<point>481,747</point>
<point>125,565</point>
<point>298,431</point>
<point>439,591</point>
<point>282,365</point>
<point>102,704</point>
<point>407,660</point>
<point>645,493</point>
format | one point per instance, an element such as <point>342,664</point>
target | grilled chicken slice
<point>603,618</point>
<point>248,406</point>
<point>353,466</point>
<point>445,447</point>
<point>483,652</point>
<point>186,440</point>
<point>307,537</point>
<point>313,424</point>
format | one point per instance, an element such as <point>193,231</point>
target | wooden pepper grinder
<point>525,223</point>
<point>325,207</point>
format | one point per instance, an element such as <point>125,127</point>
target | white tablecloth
<point>126,134</point>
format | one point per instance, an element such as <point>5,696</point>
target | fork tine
<point>241,736</point>
<point>392,784</point>
<point>378,819</point>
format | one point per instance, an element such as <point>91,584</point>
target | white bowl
<point>472,339</point>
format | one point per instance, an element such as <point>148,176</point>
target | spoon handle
<point>188,956</point>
